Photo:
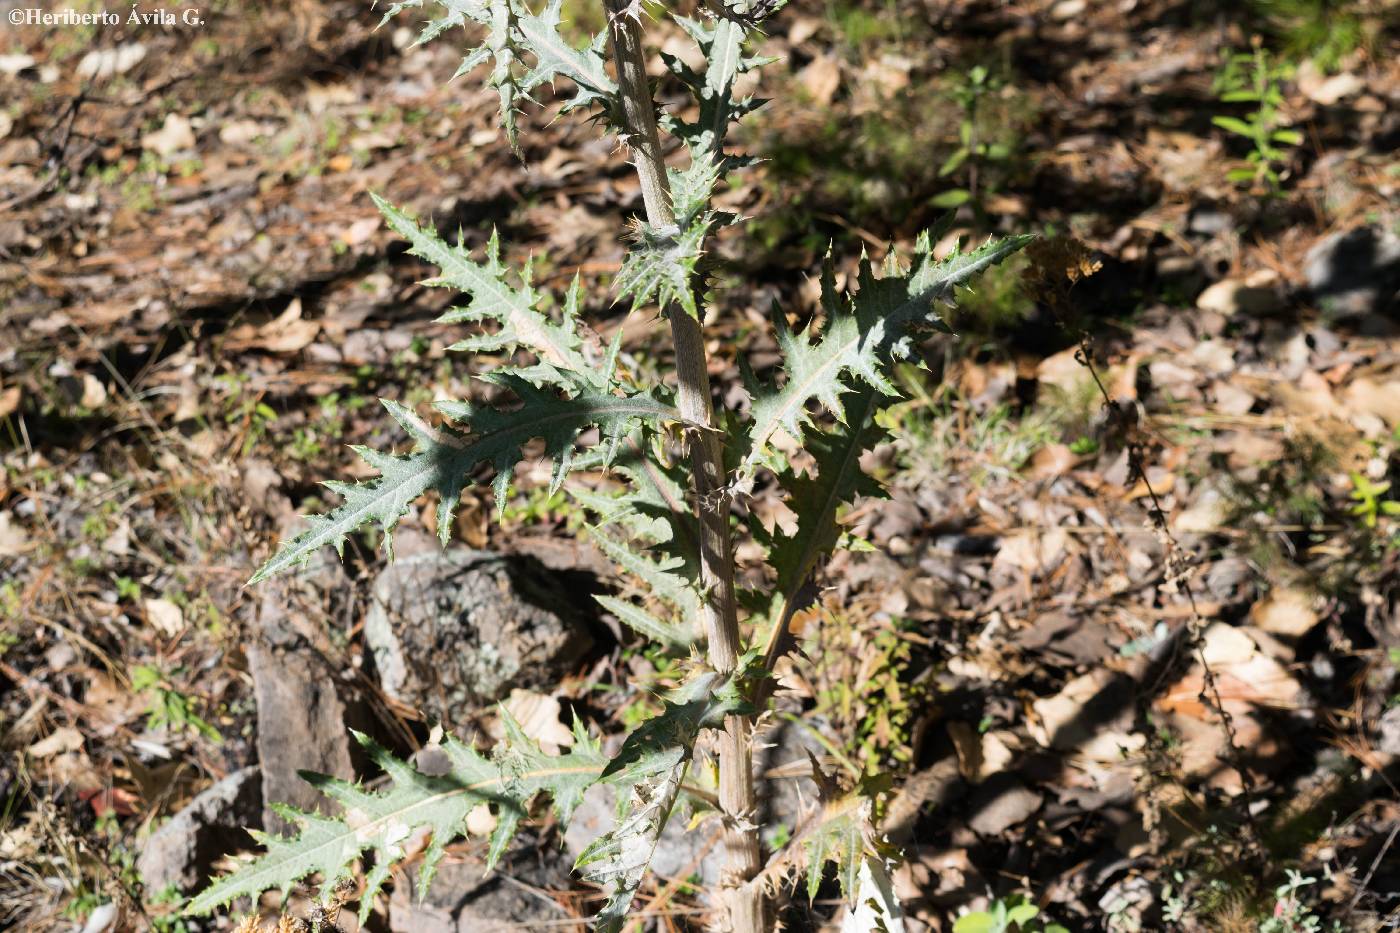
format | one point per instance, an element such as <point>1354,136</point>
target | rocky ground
<point>1115,510</point>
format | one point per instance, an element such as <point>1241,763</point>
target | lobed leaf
<point>514,34</point>
<point>443,459</point>
<point>651,765</point>
<point>381,822</point>
<point>514,309</point>
<point>817,499</point>
<point>861,338</point>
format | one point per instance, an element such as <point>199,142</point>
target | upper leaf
<point>443,459</point>
<point>516,309</point>
<point>721,41</point>
<point>514,35</point>
<point>860,339</point>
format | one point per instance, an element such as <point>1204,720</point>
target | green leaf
<point>1022,913</point>
<point>979,922</point>
<point>381,822</point>
<point>661,264</point>
<point>1288,137</point>
<point>954,161</point>
<point>665,580</point>
<point>514,33</point>
<point>1234,125</point>
<point>643,622</point>
<point>953,197</point>
<point>722,45</point>
<point>653,510</point>
<point>555,57</point>
<point>651,766</point>
<point>817,498</point>
<point>443,459</point>
<point>514,309</point>
<point>860,339</point>
<point>841,834</point>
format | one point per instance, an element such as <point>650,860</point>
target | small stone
<point>455,628</point>
<point>1354,272</point>
<point>1209,222</point>
<point>175,135</point>
<point>1388,732</point>
<point>104,63</point>
<point>1235,296</point>
<point>182,850</point>
<point>1000,803</point>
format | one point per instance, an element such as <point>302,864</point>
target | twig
<point>1375,863</point>
<point>1178,572</point>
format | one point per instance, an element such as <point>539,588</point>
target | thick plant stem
<point>742,903</point>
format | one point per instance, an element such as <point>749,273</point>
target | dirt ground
<point>1115,510</point>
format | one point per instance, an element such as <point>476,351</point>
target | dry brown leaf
<point>166,617</point>
<point>1286,611</point>
<point>821,78</point>
<point>538,717</point>
<point>63,739</point>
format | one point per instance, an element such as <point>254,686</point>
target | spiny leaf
<point>516,310</point>
<point>660,266</point>
<point>454,13</point>
<point>667,581</point>
<point>667,634</point>
<point>691,189</point>
<point>661,576</point>
<point>513,34</point>
<point>651,765</point>
<point>860,338</point>
<point>443,459</point>
<point>555,57</point>
<point>816,499</point>
<point>722,45</point>
<point>841,831</point>
<point>652,512</point>
<point>381,822</point>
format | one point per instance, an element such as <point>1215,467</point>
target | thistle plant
<point>672,530</point>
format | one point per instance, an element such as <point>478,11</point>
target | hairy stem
<point>742,902</point>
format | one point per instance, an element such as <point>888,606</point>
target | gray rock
<point>461,900</point>
<point>1388,733</point>
<point>183,850</point>
<point>458,628</point>
<point>1000,803</point>
<point>1355,272</point>
<point>1210,222</point>
<point>304,705</point>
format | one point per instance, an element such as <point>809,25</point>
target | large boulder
<point>459,628</point>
